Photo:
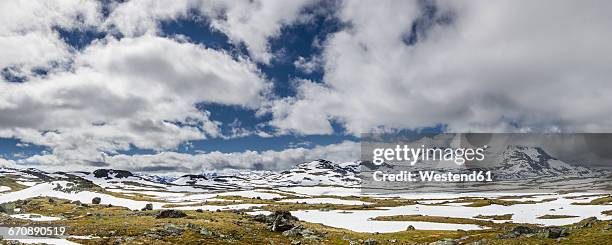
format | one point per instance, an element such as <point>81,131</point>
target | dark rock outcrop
<point>112,173</point>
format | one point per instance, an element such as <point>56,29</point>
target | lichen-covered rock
<point>7,208</point>
<point>586,223</point>
<point>518,231</point>
<point>279,221</point>
<point>553,232</point>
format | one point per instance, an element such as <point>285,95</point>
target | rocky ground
<point>105,224</point>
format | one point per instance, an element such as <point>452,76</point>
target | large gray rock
<point>518,231</point>
<point>7,208</point>
<point>279,221</point>
<point>283,221</point>
<point>553,232</point>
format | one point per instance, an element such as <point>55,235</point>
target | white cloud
<point>140,91</point>
<point>245,21</point>
<point>302,114</point>
<point>6,163</point>
<point>308,65</point>
<point>139,17</point>
<point>255,22</point>
<point>542,65</point>
<point>27,34</point>
<point>180,163</point>
<point>538,66</point>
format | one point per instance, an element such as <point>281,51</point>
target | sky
<point>184,86</point>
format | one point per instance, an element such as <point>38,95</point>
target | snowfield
<point>325,201</point>
<point>323,190</point>
<point>47,190</point>
<point>359,221</point>
<point>35,217</point>
<point>251,194</point>
<point>215,208</point>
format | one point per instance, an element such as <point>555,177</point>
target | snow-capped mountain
<point>520,162</point>
<point>319,172</point>
<point>513,162</point>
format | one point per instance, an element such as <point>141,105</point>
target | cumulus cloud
<point>250,22</point>
<point>308,65</point>
<point>27,31</point>
<point>134,91</point>
<point>471,65</point>
<point>181,163</point>
<point>6,163</point>
<point>139,90</point>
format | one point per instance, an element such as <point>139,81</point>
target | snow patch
<point>35,217</point>
<point>325,201</point>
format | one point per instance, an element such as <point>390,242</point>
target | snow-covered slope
<point>320,172</point>
<point>520,162</point>
<point>512,163</point>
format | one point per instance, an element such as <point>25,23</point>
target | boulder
<point>553,232</point>
<point>283,221</point>
<point>586,223</point>
<point>206,232</point>
<point>518,231</point>
<point>7,208</point>
<point>521,230</point>
<point>279,221</point>
<point>172,230</point>
<point>370,241</point>
<point>299,230</point>
<point>96,200</point>
<point>148,206</point>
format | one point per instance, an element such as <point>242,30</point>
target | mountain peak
<point>318,164</point>
<point>518,162</point>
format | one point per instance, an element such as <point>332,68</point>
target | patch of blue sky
<point>15,149</point>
